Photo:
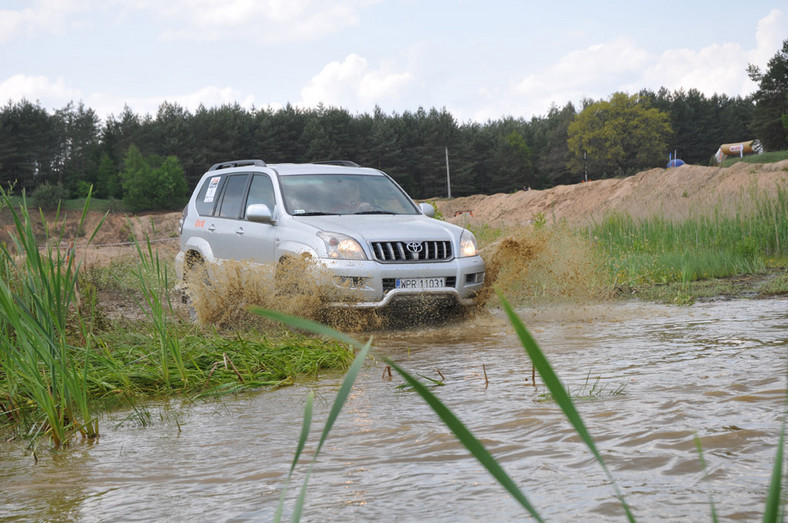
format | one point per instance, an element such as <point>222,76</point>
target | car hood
<point>386,227</point>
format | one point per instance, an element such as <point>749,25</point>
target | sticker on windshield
<point>211,192</point>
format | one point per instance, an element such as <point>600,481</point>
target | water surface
<point>647,380</point>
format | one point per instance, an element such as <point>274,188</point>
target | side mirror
<point>427,210</point>
<point>259,213</point>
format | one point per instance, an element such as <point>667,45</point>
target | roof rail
<point>236,163</point>
<point>343,163</point>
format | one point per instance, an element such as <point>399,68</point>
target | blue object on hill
<point>675,162</point>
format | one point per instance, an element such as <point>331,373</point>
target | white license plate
<point>420,283</point>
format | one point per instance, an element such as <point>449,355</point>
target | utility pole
<point>585,166</point>
<point>448,176</point>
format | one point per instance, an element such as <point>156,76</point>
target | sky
<point>479,60</point>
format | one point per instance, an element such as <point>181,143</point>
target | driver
<point>346,197</point>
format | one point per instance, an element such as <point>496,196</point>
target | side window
<point>207,195</point>
<point>261,191</point>
<point>233,196</point>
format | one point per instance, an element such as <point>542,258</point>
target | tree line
<point>135,157</point>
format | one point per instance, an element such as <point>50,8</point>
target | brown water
<point>715,370</point>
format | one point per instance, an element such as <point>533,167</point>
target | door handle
<point>239,230</point>
<point>211,227</point>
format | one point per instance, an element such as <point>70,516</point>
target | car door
<point>222,228</point>
<point>256,241</point>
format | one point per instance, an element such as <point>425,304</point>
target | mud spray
<point>537,265</point>
<point>528,265</point>
<point>220,295</point>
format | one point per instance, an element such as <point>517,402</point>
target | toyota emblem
<point>414,247</point>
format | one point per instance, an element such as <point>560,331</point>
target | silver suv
<point>355,222</point>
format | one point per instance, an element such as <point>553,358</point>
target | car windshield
<point>327,194</point>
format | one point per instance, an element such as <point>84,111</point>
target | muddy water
<point>647,380</point>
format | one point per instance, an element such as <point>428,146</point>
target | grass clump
<point>127,364</point>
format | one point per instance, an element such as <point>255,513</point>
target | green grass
<point>767,157</point>
<point>656,251</point>
<point>95,205</point>
<point>63,361</point>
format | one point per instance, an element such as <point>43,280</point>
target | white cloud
<point>266,20</point>
<point>251,20</point>
<point>12,23</point>
<point>44,16</point>
<point>769,37</point>
<point>598,71</point>
<point>594,72</point>
<point>718,68</point>
<point>209,96</point>
<point>352,83</point>
<point>213,96</point>
<point>56,94</point>
<point>51,93</point>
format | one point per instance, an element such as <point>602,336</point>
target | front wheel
<point>195,280</point>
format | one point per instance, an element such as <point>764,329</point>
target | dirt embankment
<point>112,239</point>
<point>676,193</point>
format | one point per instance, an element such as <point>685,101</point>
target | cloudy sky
<point>478,59</point>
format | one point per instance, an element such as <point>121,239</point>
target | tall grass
<point>151,274</point>
<point>659,250</point>
<point>38,293</point>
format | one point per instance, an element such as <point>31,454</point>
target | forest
<point>72,149</point>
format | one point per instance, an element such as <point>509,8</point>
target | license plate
<point>420,283</point>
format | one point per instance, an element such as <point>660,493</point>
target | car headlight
<point>341,246</point>
<point>467,244</point>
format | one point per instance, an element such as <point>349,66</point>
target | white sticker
<point>211,192</point>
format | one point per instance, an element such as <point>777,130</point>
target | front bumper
<point>371,285</point>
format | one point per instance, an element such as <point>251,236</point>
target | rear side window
<point>207,196</point>
<point>233,196</point>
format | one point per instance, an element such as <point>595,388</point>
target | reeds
<point>38,293</point>
<point>659,250</point>
<point>151,274</point>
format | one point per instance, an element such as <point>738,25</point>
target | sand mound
<point>679,193</point>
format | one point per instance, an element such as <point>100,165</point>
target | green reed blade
<point>476,448</point>
<point>560,395</point>
<point>699,448</point>
<point>339,400</point>
<point>299,449</point>
<point>772,512</point>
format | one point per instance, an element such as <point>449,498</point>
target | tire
<point>194,273</point>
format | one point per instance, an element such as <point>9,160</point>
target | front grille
<point>405,252</point>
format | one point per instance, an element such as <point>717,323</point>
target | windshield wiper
<point>316,213</point>
<point>374,212</point>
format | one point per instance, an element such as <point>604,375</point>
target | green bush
<point>48,196</point>
<point>152,183</point>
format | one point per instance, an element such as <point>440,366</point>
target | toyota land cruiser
<point>355,222</point>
